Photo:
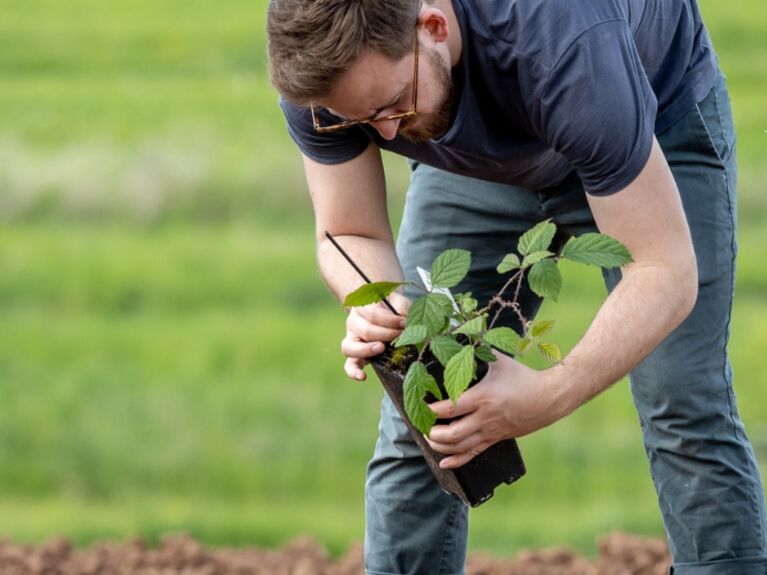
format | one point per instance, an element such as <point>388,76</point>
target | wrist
<point>562,390</point>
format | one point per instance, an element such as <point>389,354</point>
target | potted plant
<point>449,340</point>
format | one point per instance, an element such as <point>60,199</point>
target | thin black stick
<point>357,268</point>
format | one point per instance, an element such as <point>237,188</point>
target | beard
<point>425,126</point>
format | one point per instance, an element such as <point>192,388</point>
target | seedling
<point>459,333</point>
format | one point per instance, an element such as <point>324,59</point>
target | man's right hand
<point>367,329</point>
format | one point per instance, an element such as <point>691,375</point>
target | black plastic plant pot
<point>474,482</point>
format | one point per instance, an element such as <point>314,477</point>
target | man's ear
<point>434,22</point>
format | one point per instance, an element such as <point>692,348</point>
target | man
<point>599,114</point>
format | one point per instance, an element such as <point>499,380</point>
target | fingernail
<point>403,323</point>
<point>378,347</point>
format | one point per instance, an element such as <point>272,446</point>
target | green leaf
<point>531,258</point>
<point>443,301</point>
<point>537,238</point>
<point>450,267</point>
<point>545,280</point>
<point>430,385</point>
<point>542,327</point>
<point>504,338</point>
<point>459,372</point>
<point>444,347</point>
<point>550,351</point>
<point>417,382</point>
<point>596,250</point>
<point>472,327</point>
<point>430,311</point>
<point>411,335</point>
<point>468,304</point>
<point>508,263</point>
<point>370,293</point>
<point>485,353</point>
<point>524,345</point>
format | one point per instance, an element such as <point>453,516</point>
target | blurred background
<point>168,353</point>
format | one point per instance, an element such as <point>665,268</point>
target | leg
<point>704,469</point>
<point>412,526</point>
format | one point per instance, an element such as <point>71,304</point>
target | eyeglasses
<point>348,123</point>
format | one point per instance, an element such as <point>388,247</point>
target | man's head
<point>357,59</point>
<point>313,42</point>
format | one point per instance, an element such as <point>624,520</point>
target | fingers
<point>461,440</point>
<point>455,461</point>
<point>367,328</point>
<point>445,409</point>
<point>353,368</point>
<point>459,453</point>
<point>455,437</point>
<point>374,324</point>
<point>353,347</point>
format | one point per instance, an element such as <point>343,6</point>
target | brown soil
<point>619,554</point>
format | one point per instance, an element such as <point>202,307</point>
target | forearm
<point>350,203</point>
<point>648,303</point>
<point>657,292</point>
<point>376,257</point>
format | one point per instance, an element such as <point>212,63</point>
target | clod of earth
<point>619,554</point>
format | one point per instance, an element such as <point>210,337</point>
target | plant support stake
<point>357,268</point>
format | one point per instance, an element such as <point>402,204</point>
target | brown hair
<point>314,42</point>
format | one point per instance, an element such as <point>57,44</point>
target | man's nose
<point>387,128</point>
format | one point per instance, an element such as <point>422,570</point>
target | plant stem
<point>513,304</point>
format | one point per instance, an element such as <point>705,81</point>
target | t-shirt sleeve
<point>597,108</point>
<point>328,148</point>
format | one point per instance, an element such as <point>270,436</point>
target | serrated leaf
<point>550,351</point>
<point>459,372</point>
<point>370,293</point>
<point>443,301</point>
<point>508,263</point>
<point>411,335</point>
<point>524,345</point>
<point>444,347</point>
<point>430,385</point>
<point>430,311</point>
<point>533,257</point>
<point>450,267</point>
<point>541,327</point>
<point>472,327</point>
<point>504,338</point>
<point>597,250</point>
<point>545,280</point>
<point>538,238</point>
<point>485,353</point>
<point>417,382</point>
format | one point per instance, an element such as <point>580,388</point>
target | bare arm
<point>350,202</point>
<point>657,292</point>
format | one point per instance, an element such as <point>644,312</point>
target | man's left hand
<point>512,400</point>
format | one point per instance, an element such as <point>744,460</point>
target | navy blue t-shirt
<point>547,87</point>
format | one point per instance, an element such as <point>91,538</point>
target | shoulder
<point>536,31</point>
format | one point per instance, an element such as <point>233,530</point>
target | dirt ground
<point>619,554</point>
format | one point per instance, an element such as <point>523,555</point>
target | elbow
<point>686,287</point>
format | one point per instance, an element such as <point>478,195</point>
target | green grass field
<point>168,354</point>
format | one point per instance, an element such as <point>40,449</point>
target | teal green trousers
<point>709,490</point>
